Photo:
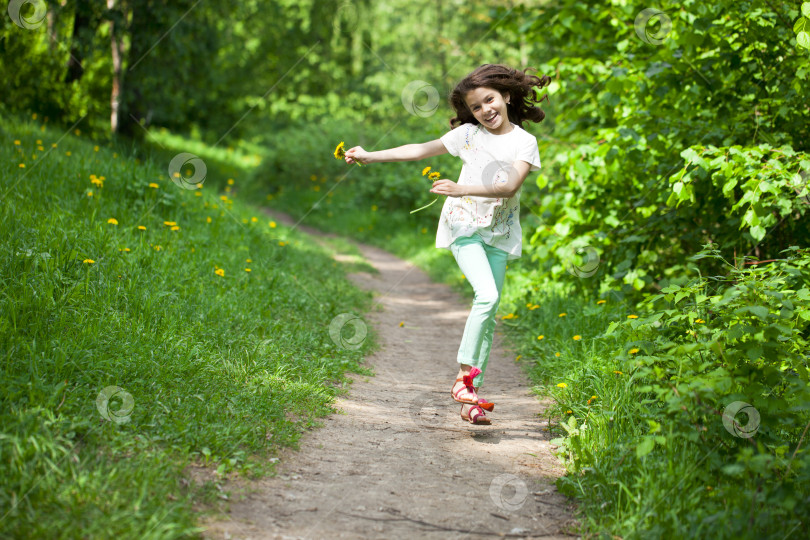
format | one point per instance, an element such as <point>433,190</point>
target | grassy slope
<point>222,370</point>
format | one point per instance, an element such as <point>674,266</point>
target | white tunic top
<point>488,160</point>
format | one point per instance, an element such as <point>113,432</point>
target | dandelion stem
<point>434,200</point>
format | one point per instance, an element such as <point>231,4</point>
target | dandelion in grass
<point>157,248</point>
<point>540,337</point>
<point>89,193</point>
<point>401,324</point>
<point>633,351</point>
<point>577,337</point>
<point>95,149</point>
<point>424,230</point>
<point>557,354</point>
<point>247,269</point>
<point>153,185</point>
<point>67,153</point>
<point>170,223</point>
<point>208,219</point>
<point>632,316</point>
<point>593,398</point>
<point>220,272</point>
<point>518,357</point>
<point>373,207</point>
<point>562,385</point>
<point>618,372</point>
<point>601,302</point>
<point>533,307</point>
<point>272,224</point>
<point>563,314</point>
<point>230,181</point>
<point>22,165</point>
<point>88,261</point>
<point>254,219</point>
<point>569,411</point>
<point>698,321</point>
<point>175,228</point>
<point>125,250</point>
<point>141,228</point>
<point>112,221</point>
<point>17,143</point>
<point>510,316</point>
<point>248,261</point>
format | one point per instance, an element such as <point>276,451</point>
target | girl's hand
<point>357,154</point>
<point>447,187</point>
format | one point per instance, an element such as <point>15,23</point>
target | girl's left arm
<point>515,177</point>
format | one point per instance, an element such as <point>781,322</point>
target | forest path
<point>397,461</point>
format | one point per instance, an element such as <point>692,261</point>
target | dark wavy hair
<point>518,84</point>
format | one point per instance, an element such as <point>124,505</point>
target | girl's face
<point>488,106</point>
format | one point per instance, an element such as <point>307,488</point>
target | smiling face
<point>488,106</point>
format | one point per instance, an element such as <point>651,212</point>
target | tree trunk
<point>115,94</point>
<point>82,20</point>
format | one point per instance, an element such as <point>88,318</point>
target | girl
<point>480,219</point>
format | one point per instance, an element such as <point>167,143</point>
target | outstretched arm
<point>408,152</point>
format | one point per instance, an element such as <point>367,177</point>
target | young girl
<point>480,220</point>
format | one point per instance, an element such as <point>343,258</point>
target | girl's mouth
<point>491,119</point>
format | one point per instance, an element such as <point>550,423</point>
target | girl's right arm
<point>408,152</point>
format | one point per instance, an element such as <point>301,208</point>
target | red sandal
<point>475,416</point>
<point>468,386</point>
<point>484,404</point>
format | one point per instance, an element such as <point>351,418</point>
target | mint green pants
<point>484,267</point>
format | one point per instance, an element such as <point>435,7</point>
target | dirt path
<point>397,461</point>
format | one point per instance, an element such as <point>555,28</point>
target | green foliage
<point>224,366</point>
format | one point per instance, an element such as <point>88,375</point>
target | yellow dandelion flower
<point>41,148</point>
<point>339,152</point>
<point>557,354</point>
<point>562,385</point>
<point>247,269</point>
<point>53,145</point>
<point>434,175</point>
<point>170,223</point>
<point>699,321</point>
<point>541,336</point>
<point>533,307</point>
<point>153,185</point>
<point>67,153</point>
<point>89,193</point>
<point>208,219</point>
<point>272,224</point>
<point>197,194</point>
<point>529,305</point>
<point>424,171</point>
<point>17,143</point>
<point>39,141</point>
<point>175,228</point>
<point>157,248</point>
<point>228,189</point>
<point>577,337</point>
<point>316,188</point>
<point>282,243</point>
<point>95,149</point>
<point>88,261</point>
<point>223,197</point>
<point>141,228</point>
<point>126,250</point>
<point>633,351</point>
<point>563,314</point>
<point>22,165</point>
<point>424,230</point>
<point>112,221</point>
<point>618,372</point>
<point>248,260</point>
<point>601,302</point>
<point>569,411</point>
<point>510,316</point>
<point>34,116</point>
<point>518,357</point>
<point>78,132</point>
<point>230,181</point>
<point>220,272</point>
<point>632,316</point>
<point>254,219</point>
<point>373,207</point>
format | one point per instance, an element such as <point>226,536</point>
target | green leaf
<point>645,447</point>
<point>806,9</point>
<point>803,39</point>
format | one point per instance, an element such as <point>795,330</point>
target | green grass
<point>222,370</point>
